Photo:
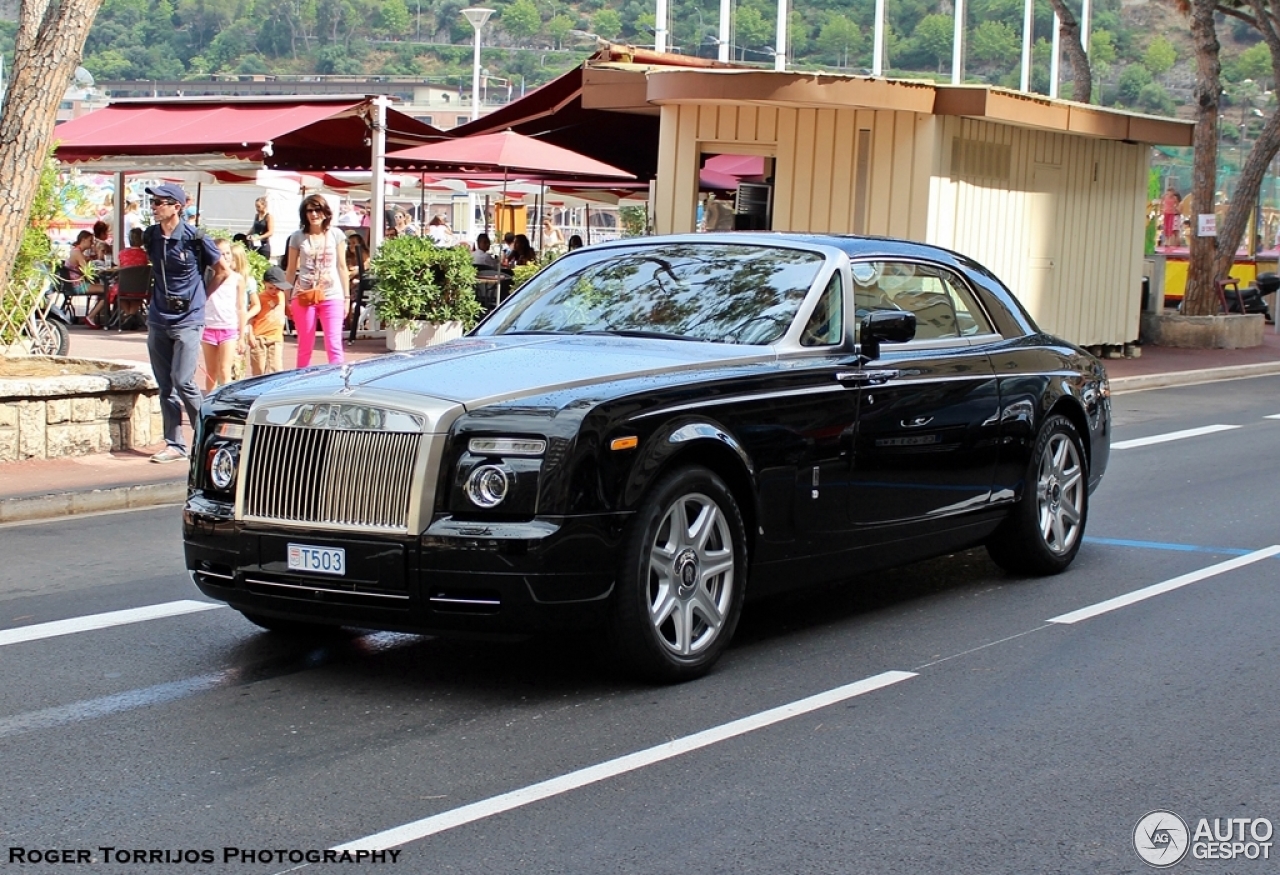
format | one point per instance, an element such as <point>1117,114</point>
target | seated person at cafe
<point>481,257</point>
<point>102,243</point>
<point>75,270</point>
<point>132,256</point>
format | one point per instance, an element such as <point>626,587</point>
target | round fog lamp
<point>487,486</point>
<point>222,470</point>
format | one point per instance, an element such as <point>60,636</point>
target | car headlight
<point>223,466</point>
<point>488,485</point>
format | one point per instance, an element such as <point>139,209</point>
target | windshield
<point>725,293</point>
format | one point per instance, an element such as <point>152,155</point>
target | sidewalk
<point>40,489</point>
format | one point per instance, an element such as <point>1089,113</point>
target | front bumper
<point>458,577</point>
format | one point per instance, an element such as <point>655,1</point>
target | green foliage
<point>1135,78</point>
<point>520,19</point>
<point>1160,56</point>
<point>521,273</point>
<point>35,260</point>
<point>606,23</point>
<point>934,36</point>
<point>635,221</point>
<point>840,39</point>
<point>993,44</point>
<point>1253,63</point>
<point>1102,47</point>
<point>417,281</point>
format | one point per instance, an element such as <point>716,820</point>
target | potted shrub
<point>423,293</point>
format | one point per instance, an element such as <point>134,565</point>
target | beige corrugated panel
<point>1054,215</point>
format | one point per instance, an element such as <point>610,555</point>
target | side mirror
<point>884,326</point>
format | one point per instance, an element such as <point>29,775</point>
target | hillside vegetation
<point>1140,51</point>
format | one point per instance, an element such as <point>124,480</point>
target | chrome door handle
<point>866,378</point>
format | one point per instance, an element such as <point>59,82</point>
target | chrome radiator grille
<point>325,476</point>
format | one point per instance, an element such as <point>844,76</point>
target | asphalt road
<point>940,718</point>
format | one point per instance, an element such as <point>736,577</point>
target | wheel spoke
<point>716,564</point>
<point>664,605</point>
<point>703,525</point>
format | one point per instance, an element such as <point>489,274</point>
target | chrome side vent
<point>331,477</point>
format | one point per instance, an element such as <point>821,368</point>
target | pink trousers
<point>330,313</point>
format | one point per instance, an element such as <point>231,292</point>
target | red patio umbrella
<point>505,152</point>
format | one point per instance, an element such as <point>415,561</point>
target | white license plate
<point>317,560</point>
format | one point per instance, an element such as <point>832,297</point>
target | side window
<point>943,306</point>
<point>826,326</point>
<point>970,320</point>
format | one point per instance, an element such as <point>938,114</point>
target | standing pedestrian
<point>262,229</point>
<point>179,255</point>
<point>225,318</point>
<point>318,273</point>
<point>266,341</point>
<point>1169,209</point>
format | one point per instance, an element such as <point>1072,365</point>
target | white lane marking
<point>592,774</point>
<point>103,621</point>
<point>1156,589</point>
<point>1272,416</point>
<point>1171,436</point>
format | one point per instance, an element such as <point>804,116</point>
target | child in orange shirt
<point>266,341</point>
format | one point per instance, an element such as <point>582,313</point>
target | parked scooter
<point>47,326</point>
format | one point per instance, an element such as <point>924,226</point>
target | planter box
<point>96,407</point>
<point>422,336</point>
<point>1203,332</point>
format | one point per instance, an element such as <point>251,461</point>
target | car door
<point>927,433</point>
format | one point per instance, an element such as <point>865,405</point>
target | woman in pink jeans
<point>318,271</point>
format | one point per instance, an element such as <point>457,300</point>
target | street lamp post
<point>477,15</point>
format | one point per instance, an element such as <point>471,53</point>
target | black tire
<point>1043,531</point>
<point>683,576</point>
<point>52,337</point>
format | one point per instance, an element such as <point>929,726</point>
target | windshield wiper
<point>636,332</point>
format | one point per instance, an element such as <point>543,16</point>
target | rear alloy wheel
<point>1042,533</point>
<point>679,593</point>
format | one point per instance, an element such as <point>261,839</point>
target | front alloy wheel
<point>680,590</point>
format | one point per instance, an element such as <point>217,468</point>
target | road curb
<point>59,504</point>
<point>1120,385</point>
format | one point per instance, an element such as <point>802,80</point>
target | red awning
<point>296,134</point>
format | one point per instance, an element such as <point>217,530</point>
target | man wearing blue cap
<point>179,255</point>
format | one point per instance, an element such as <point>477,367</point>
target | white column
<point>477,15</point>
<point>1028,23</point>
<point>780,41</point>
<point>877,36</point>
<point>1055,56</point>
<point>957,46</point>
<point>726,35</point>
<point>660,27</point>
<point>377,167</point>
<point>1084,26</point>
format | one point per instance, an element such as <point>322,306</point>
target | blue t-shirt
<point>177,269</point>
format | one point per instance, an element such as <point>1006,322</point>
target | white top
<point>220,304</point>
<point>318,259</point>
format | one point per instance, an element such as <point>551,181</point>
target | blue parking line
<point>1160,545</point>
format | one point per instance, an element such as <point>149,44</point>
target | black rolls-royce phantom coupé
<point>645,434</point>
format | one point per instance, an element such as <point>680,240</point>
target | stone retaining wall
<point>1203,332</point>
<point>109,406</point>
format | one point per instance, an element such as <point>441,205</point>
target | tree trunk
<point>1069,36</point>
<point>1245,199</point>
<point>46,51</point>
<point>1201,297</point>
